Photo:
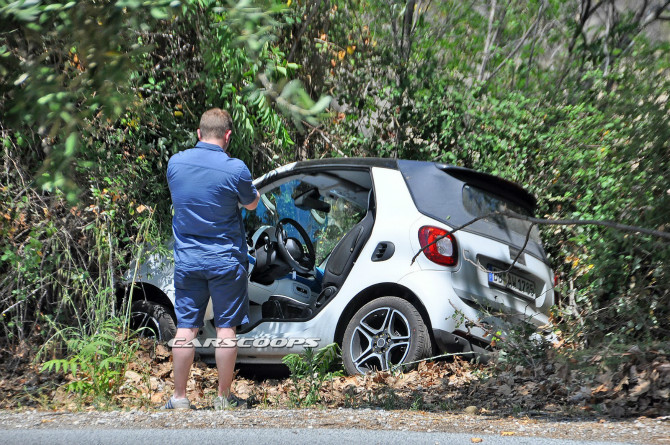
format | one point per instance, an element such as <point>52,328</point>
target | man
<point>210,250</point>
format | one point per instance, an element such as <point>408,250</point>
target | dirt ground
<point>625,400</point>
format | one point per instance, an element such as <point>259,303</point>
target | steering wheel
<point>282,240</point>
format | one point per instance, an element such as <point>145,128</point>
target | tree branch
<point>640,25</point>
<point>586,13</point>
<point>640,13</point>
<point>549,222</point>
<point>516,258</point>
<point>487,44</point>
<point>305,24</point>
<point>518,45</point>
<point>608,29</point>
<point>406,42</point>
<point>651,17</point>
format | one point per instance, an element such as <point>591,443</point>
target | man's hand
<point>253,205</point>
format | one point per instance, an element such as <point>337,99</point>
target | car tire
<point>384,333</point>
<point>152,319</point>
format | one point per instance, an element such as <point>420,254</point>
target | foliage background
<point>567,97</point>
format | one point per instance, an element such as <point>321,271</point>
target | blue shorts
<point>227,285</point>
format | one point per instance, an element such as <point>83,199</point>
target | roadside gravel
<point>640,430</point>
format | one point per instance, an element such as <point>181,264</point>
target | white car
<point>331,249</point>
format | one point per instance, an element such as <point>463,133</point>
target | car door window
<point>325,229</point>
<point>342,217</point>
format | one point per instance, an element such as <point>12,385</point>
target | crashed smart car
<point>358,251</point>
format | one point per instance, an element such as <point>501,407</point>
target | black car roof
<point>462,173</point>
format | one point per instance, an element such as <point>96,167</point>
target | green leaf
<point>21,79</point>
<point>71,144</point>
<point>321,104</point>
<point>159,13</point>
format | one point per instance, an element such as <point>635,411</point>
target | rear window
<point>478,202</point>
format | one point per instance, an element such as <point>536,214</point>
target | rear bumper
<point>468,348</point>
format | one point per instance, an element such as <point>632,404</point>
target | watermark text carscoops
<point>245,342</point>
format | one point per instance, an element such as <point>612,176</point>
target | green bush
<point>310,370</point>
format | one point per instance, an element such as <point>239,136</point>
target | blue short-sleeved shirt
<point>206,187</point>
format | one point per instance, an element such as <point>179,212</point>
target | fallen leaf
<point>640,389</point>
<point>601,388</point>
<point>472,410</point>
<point>133,377</point>
<point>476,440</point>
<point>380,377</point>
<point>505,390</point>
<point>163,370</point>
<point>619,387</point>
<point>162,351</point>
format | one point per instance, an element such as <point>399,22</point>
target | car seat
<point>339,264</point>
<point>345,254</point>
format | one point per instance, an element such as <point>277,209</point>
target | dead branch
<point>549,222</point>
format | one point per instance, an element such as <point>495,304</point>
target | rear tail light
<point>438,245</point>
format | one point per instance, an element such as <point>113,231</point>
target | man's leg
<point>225,359</point>
<point>182,359</point>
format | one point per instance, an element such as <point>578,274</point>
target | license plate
<point>512,281</point>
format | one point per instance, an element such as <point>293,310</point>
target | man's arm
<point>254,204</point>
<point>246,192</point>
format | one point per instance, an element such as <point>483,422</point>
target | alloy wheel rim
<point>141,321</point>
<point>381,340</point>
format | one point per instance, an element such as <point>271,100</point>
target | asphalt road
<point>342,426</point>
<point>274,436</point>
